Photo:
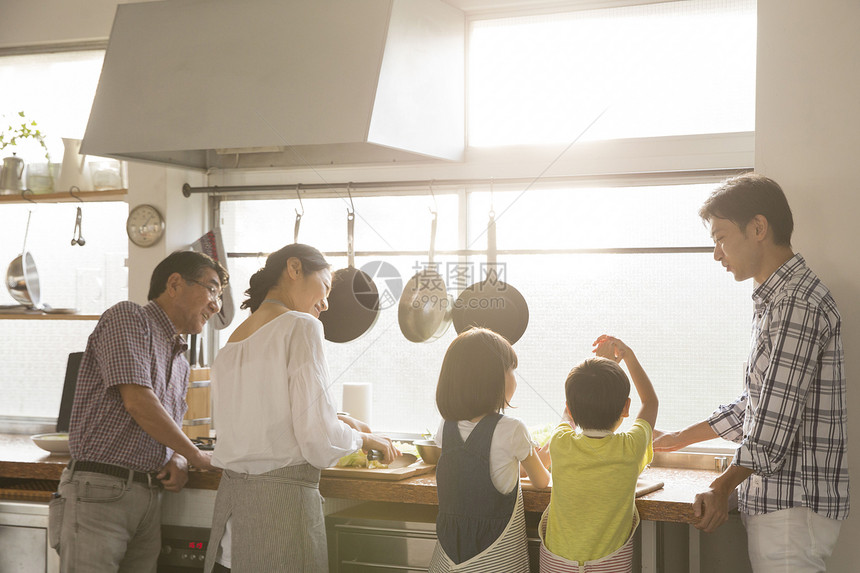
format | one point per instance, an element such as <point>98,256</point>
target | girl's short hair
<point>596,391</point>
<point>472,380</point>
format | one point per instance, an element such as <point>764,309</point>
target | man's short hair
<point>741,198</point>
<point>596,391</point>
<point>189,265</point>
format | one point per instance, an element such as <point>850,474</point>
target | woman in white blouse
<point>277,424</point>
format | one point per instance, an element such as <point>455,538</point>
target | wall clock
<point>145,226</point>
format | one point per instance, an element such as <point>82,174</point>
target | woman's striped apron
<point>277,521</point>
<point>508,553</point>
<point>619,561</point>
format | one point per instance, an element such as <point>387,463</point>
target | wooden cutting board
<point>416,469</point>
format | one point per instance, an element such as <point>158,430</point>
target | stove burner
<point>203,443</point>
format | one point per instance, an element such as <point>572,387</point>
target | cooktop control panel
<point>182,548</point>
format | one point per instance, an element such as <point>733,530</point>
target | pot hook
<point>298,215</point>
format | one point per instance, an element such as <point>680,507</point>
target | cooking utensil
<point>492,303</point>
<point>298,223</point>
<point>22,280</point>
<point>424,312</point>
<point>77,237</point>
<point>353,305</point>
<point>401,462</point>
<point>428,450</point>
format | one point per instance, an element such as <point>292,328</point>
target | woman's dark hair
<point>312,261</point>
<point>741,198</point>
<point>596,391</point>
<point>189,265</point>
<point>472,380</point>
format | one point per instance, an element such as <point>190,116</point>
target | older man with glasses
<point>125,436</point>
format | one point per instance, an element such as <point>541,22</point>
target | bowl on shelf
<point>428,450</point>
<point>54,443</point>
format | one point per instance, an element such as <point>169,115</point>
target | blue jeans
<point>106,524</point>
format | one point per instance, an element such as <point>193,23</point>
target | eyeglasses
<point>215,294</point>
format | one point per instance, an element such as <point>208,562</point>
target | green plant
<point>27,129</point>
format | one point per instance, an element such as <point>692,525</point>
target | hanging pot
<point>22,279</point>
<point>353,305</point>
<point>492,303</point>
<point>424,312</point>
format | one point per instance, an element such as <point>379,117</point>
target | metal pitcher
<point>12,176</point>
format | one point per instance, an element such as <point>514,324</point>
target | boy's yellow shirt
<point>594,490</point>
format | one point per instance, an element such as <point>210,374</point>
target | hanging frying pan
<point>353,305</point>
<point>425,306</point>
<point>492,303</point>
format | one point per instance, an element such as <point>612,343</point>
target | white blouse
<point>271,404</point>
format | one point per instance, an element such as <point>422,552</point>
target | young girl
<point>481,523</point>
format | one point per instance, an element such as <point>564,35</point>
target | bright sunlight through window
<point>674,68</point>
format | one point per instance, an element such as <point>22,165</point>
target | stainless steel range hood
<point>255,83</point>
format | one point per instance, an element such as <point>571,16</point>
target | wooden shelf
<point>65,196</point>
<point>35,316</point>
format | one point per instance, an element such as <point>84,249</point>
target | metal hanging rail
<point>640,178</point>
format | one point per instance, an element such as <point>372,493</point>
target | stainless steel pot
<point>22,280</point>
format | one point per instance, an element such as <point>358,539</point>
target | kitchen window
<point>632,260</point>
<point>657,69</point>
<point>56,90</point>
<point>599,237</point>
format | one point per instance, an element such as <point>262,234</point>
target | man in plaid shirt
<point>791,420</point>
<point>125,438</point>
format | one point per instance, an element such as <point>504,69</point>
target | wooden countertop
<point>21,459</point>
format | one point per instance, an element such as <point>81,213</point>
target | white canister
<point>357,401</point>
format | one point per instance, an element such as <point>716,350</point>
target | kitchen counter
<point>23,464</point>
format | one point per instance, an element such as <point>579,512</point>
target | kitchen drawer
<point>384,536</point>
<point>24,538</point>
<point>384,547</point>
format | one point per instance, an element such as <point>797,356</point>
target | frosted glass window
<point>55,90</point>
<point>89,278</point>
<point>672,68</point>
<point>685,318</point>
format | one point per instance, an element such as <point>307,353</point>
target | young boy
<point>592,512</point>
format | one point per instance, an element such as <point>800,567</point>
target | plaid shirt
<point>791,420</point>
<point>130,345</point>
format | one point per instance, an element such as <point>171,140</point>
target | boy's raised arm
<point>612,348</point>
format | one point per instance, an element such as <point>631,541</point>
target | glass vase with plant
<point>17,130</point>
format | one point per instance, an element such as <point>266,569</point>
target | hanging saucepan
<point>22,280</point>
<point>492,303</point>
<point>425,306</point>
<point>353,305</point>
